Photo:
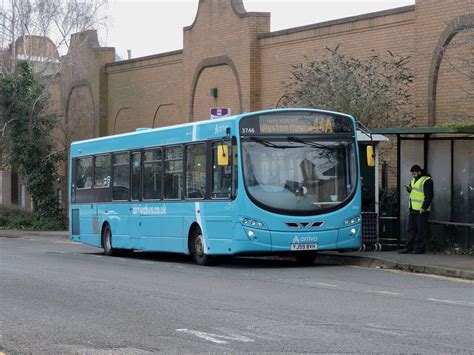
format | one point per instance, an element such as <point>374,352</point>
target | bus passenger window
<point>102,171</point>
<point>196,171</point>
<point>152,174</point>
<point>221,177</point>
<point>121,168</point>
<point>173,172</point>
<point>84,173</point>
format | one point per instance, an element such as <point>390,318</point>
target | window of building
<point>102,171</point>
<point>196,171</point>
<point>121,171</point>
<point>152,174</point>
<point>84,173</point>
<point>173,173</point>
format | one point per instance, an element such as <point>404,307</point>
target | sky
<point>156,26</point>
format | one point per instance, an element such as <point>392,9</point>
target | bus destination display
<point>305,123</point>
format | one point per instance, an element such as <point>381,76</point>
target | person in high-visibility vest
<point>420,198</point>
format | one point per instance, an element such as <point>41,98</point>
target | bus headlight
<point>250,222</point>
<point>352,220</point>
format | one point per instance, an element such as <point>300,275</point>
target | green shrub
<point>17,218</point>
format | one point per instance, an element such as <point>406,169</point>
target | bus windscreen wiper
<point>310,143</point>
<point>267,143</point>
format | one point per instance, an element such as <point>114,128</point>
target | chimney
<point>129,52</point>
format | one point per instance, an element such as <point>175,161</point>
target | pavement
<point>458,266</point>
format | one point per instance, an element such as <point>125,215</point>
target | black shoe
<point>418,251</point>
<point>405,251</point>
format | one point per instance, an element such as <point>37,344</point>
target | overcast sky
<point>156,26</point>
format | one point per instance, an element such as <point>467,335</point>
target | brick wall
<point>144,92</point>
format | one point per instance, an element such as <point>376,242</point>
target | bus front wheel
<point>199,255</point>
<point>109,250</point>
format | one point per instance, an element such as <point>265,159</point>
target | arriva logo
<point>299,240</point>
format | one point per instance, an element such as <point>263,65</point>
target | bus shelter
<point>447,154</point>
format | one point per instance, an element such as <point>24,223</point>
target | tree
<point>37,33</point>
<point>30,141</point>
<point>25,23</point>
<point>375,90</point>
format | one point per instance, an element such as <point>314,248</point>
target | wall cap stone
<point>395,11</point>
<point>239,10</point>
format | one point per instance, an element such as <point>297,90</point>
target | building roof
<point>422,130</point>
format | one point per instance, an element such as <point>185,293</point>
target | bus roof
<point>170,135</point>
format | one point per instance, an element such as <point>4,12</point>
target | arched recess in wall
<point>79,119</point>
<point>124,120</point>
<point>457,25</point>
<point>222,65</point>
<point>165,115</point>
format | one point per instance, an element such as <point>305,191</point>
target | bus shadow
<point>228,262</point>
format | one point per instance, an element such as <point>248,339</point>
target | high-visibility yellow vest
<point>417,195</point>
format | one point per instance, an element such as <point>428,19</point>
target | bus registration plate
<point>304,246</point>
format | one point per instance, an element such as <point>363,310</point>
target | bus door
<point>136,195</point>
<point>219,214</point>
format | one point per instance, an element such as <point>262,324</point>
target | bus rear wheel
<point>198,252</point>
<point>305,258</point>
<point>109,250</point>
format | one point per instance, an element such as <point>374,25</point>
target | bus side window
<point>196,171</point>
<point>221,176</point>
<point>152,169</point>
<point>102,171</point>
<point>173,173</point>
<point>84,173</point>
<point>121,176</point>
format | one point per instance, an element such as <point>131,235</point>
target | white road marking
<point>147,262</point>
<point>323,284</point>
<point>216,338</point>
<point>388,293</point>
<point>64,242</point>
<point>461,303</point>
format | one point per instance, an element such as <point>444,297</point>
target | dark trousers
<point>417,231</point>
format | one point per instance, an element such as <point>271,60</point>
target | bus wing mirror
<point>370,156</point>
<point>223,155</point>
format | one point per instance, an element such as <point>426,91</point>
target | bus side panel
<point>118,216</point>
<point>218,219</point>
<point>89,224</point>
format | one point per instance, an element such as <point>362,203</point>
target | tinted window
<point>121,176</point>
<point>196,171</point>
<point>152,174</point>
<point>102,171</point>
<point>84,173</point>
<point>173,172</point>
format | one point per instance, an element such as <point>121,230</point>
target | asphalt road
<point>60,297</point>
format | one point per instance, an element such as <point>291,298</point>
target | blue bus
<point>281,182</point>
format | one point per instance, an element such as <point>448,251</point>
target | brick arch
<point>118,126</point>
<point>159,109</point>
<point>454,27</point>
<point>213,62</point>
<point>71,112</point>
